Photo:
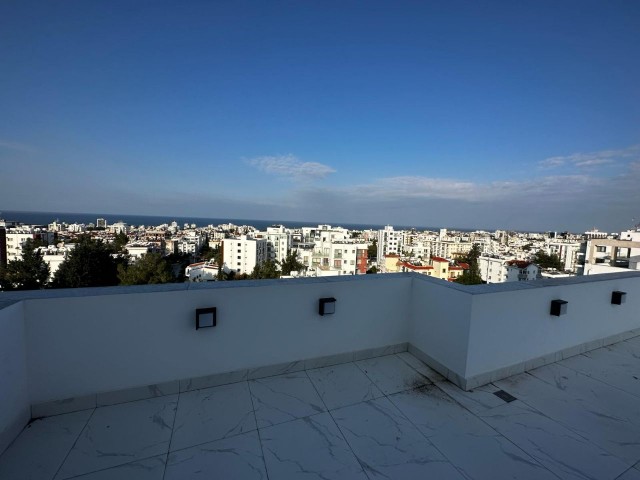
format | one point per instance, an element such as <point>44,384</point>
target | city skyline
<point>497,116</point>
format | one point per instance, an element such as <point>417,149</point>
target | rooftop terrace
<point>410,378</point>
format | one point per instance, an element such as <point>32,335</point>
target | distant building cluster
<point>326,250</point>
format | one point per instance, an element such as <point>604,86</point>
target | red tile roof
<point>439,259</point>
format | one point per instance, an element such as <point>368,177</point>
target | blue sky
<point>518,115</point>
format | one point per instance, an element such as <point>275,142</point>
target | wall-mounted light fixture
<point>205,317</point>
<point>327,306</point>
<point>618,298</point>
<point>558,307</point>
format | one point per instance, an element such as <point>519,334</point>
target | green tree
<point>31,272</point>
<point>372,250</point>
<point>291,264</point>
<point>266,269</point>
<point>207,253</point>
<point>178,263</point>
<point>548,261</point>
<point>372,270</point>
<point>89,264</point>
<point>119,242</point>
<point>472,275</point>
<point>150,269</point>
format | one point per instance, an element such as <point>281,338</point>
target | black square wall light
<point>205,317</point>
<point>618,298</point>
<point>327,306</point>
<point>558,307</point>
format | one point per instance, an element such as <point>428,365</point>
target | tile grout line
<point>338,426</point>
<point>74,444</point>
<point>562,424</point>
<point>113,467</point>
<point>255,418</point>
<point>173,426</point>
<point>589,376</point>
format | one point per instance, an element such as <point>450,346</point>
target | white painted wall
<point>511,327</point>
<point>15,407</point>
<point>439,325</point>
<point>88,344</point>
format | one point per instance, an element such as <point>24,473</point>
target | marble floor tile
<point>613,434</point>
<point>434,412</point>
<point>391,375</point>
<point>146,469</point>
<point>476,401</point>
<point>342,385</point>
<point>310,447</point>
<point>489,457</point>
<point>388,445</point>
<point>627,349</point>
<point>42,446</point>
<point>284,398</point>
<point>211,414</point>
<point>615,369</point>
<point>120,434</point>
<point>422,368</point>
<point>238,457</point>
<point>560,450</point>
<point>590,391</point>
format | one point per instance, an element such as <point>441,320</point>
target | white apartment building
<point>118,227</point>
<point>278,242</point>
<point>138,250</point>
<point>568,252</point>
<point>521,271</point>
<point>101,223</point>
<point>242,254</point>
<point>389,242</point>
<point>324,233</point>
<point>17,236</point>
<point>495,269</point>
<point>76,228</point>
<point>190,244</point>
<point>54,255</point>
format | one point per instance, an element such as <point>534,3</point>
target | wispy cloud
<point>417,187</point>
<point>592,159</point>
<point>18,147</point>
<point>290,167</point>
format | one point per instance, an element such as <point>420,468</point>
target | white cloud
<point>417,187</point>
<point>289,166</point>
<point>592,159</point>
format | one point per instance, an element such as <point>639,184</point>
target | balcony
<point>412,377</point>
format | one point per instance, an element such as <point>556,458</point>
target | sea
<point>45,218</point>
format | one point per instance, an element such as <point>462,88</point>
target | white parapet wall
<point>78,348</point>
<point>94,343</point>
<point>513,331</point>
<point>15,404</point>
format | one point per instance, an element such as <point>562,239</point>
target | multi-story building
<point>389,242</point>
<point>569,253</point>
<point>278,243</point>
<point>243,253</point>
<point>54,255</point>
<point>119,227</point>
<point>101,223</point>
<point>15,237</point>
<point>494,269</point>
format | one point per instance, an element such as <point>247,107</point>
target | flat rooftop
<point>384,417</point>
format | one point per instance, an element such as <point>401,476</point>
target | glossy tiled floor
<point>386,417</point>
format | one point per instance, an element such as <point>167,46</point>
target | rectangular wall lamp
<point>205,317</point>
<point>618,298</point>
<point>558,307</point>
<point>327,306</point>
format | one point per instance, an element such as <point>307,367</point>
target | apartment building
<point>243,253</point>
<point>389,242</point>
<point>15,237</point>
<point>278,242</point>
